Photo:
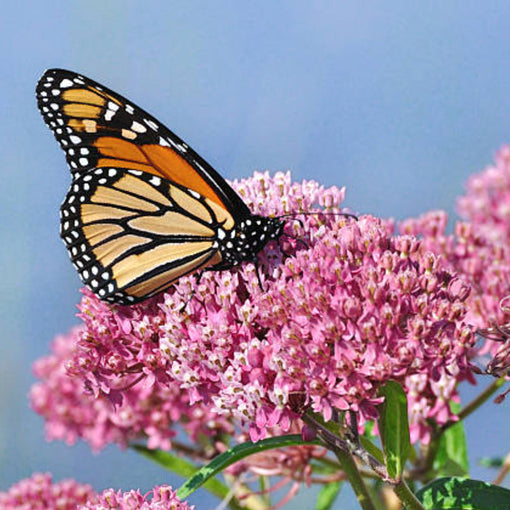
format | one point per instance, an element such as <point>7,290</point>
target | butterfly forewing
<point>99,128</point>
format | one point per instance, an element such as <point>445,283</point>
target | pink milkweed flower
<point>160,498</point>
<point>478,251</point>
<point>347,307</point>
<point>149,411</point>
<point>39,492</point>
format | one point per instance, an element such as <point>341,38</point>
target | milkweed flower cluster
<point>148,409</point>
<point>342,310</point>
<point>479,248</point>
<point>486,205</point>
<point>159,498</point>
<point>39,492</point>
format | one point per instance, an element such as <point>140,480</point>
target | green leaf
<point>492,462</point>
<point>235,454</point>
<point>371,448</point>
<point>182,468</point>
<point>327,495</point>
<point>394,427</point>
<point>463,494</point>
<point>367,441</point>
<point>452,456</point>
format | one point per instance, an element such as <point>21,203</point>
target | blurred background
<point>399,101</point>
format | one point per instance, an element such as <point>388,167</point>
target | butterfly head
<point>248,238</point>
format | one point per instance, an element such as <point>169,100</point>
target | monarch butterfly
<point>143,208</point>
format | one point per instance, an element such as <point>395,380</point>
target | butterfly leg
<point>257,270</point>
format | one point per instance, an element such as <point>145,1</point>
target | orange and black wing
<point>98,128</point>
<point>131,234</point>
<point>143,208</point>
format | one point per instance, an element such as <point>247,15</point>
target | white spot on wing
<point>151,124</point>
<point>66,83</point>
<point>139,128</point>
<point>109,114</point>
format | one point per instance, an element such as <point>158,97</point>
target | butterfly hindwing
<point>131,234</point>
<point>99,128</point>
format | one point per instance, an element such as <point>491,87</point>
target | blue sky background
<point>399,101</point>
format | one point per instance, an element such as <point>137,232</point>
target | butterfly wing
<point>98,128</point>
<point>131,234</point>
<point>143,209</point>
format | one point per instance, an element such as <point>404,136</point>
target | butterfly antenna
<point>316,213</point>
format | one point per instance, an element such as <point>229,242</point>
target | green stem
<point>505,469</point>
<point>479,400</point>
<point>355,479</point>
<point>343,451</point>
<point>407,497</point>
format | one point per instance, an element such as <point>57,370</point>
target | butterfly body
<point>143,209</point>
